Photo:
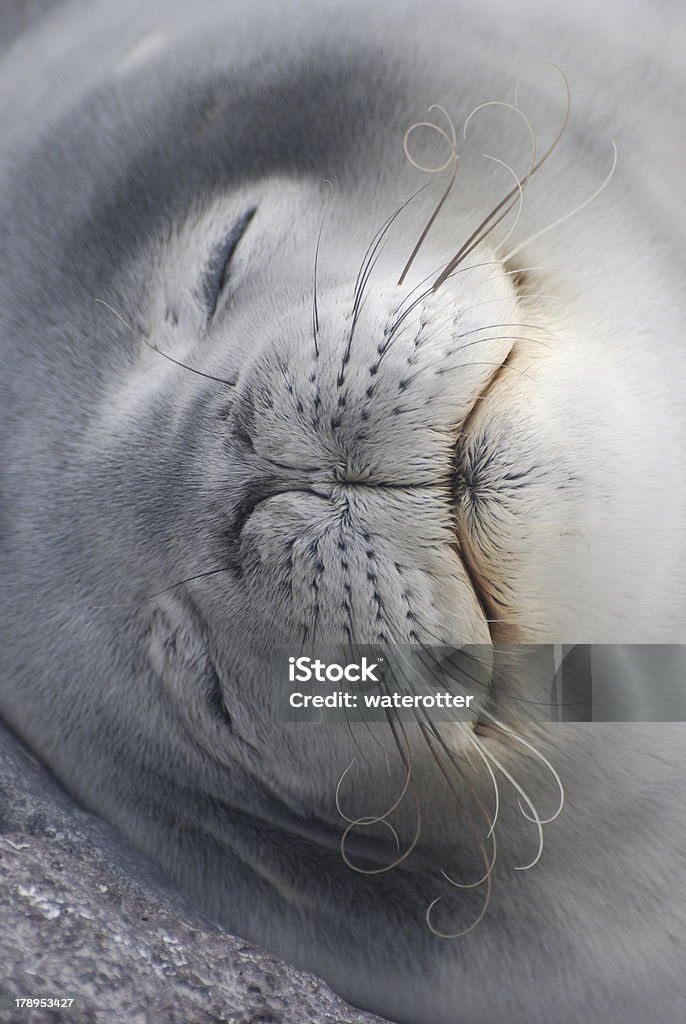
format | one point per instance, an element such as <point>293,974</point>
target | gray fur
<point>322,486</point>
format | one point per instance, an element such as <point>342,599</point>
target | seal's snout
<point>379,397</point>
<point>343,461</point>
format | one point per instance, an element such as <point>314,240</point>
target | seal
<point>242,409</point>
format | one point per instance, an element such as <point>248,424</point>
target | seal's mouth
<point>494,380</point>
<point>462,489</point>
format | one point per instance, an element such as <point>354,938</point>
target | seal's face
<point>379,462</point>
<point>391,463</point>
<point>327,471</point>
<point>350,460</point>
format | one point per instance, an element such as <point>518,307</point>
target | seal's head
<point>339,458</point>
<point>234,429</point>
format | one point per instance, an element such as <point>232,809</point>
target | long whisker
<point>519,186</point>
<point>472,926</point>
<point>452,160</point>
<point>428,226</point>
<point>537,753</point>
<point>153,348</point>
<point>572,213</point>
<point>166,590</point>
<point>476,237</point>
<point>315,306</point>
<point>369,262</point>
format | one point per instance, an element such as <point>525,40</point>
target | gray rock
<point>84,916</point>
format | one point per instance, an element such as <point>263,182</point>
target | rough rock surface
<point>83,916</point>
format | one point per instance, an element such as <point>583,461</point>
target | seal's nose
<point>379,401</point>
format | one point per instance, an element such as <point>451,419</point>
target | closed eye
<point>219,264</point>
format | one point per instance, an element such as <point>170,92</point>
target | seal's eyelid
<point>217,270</point>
